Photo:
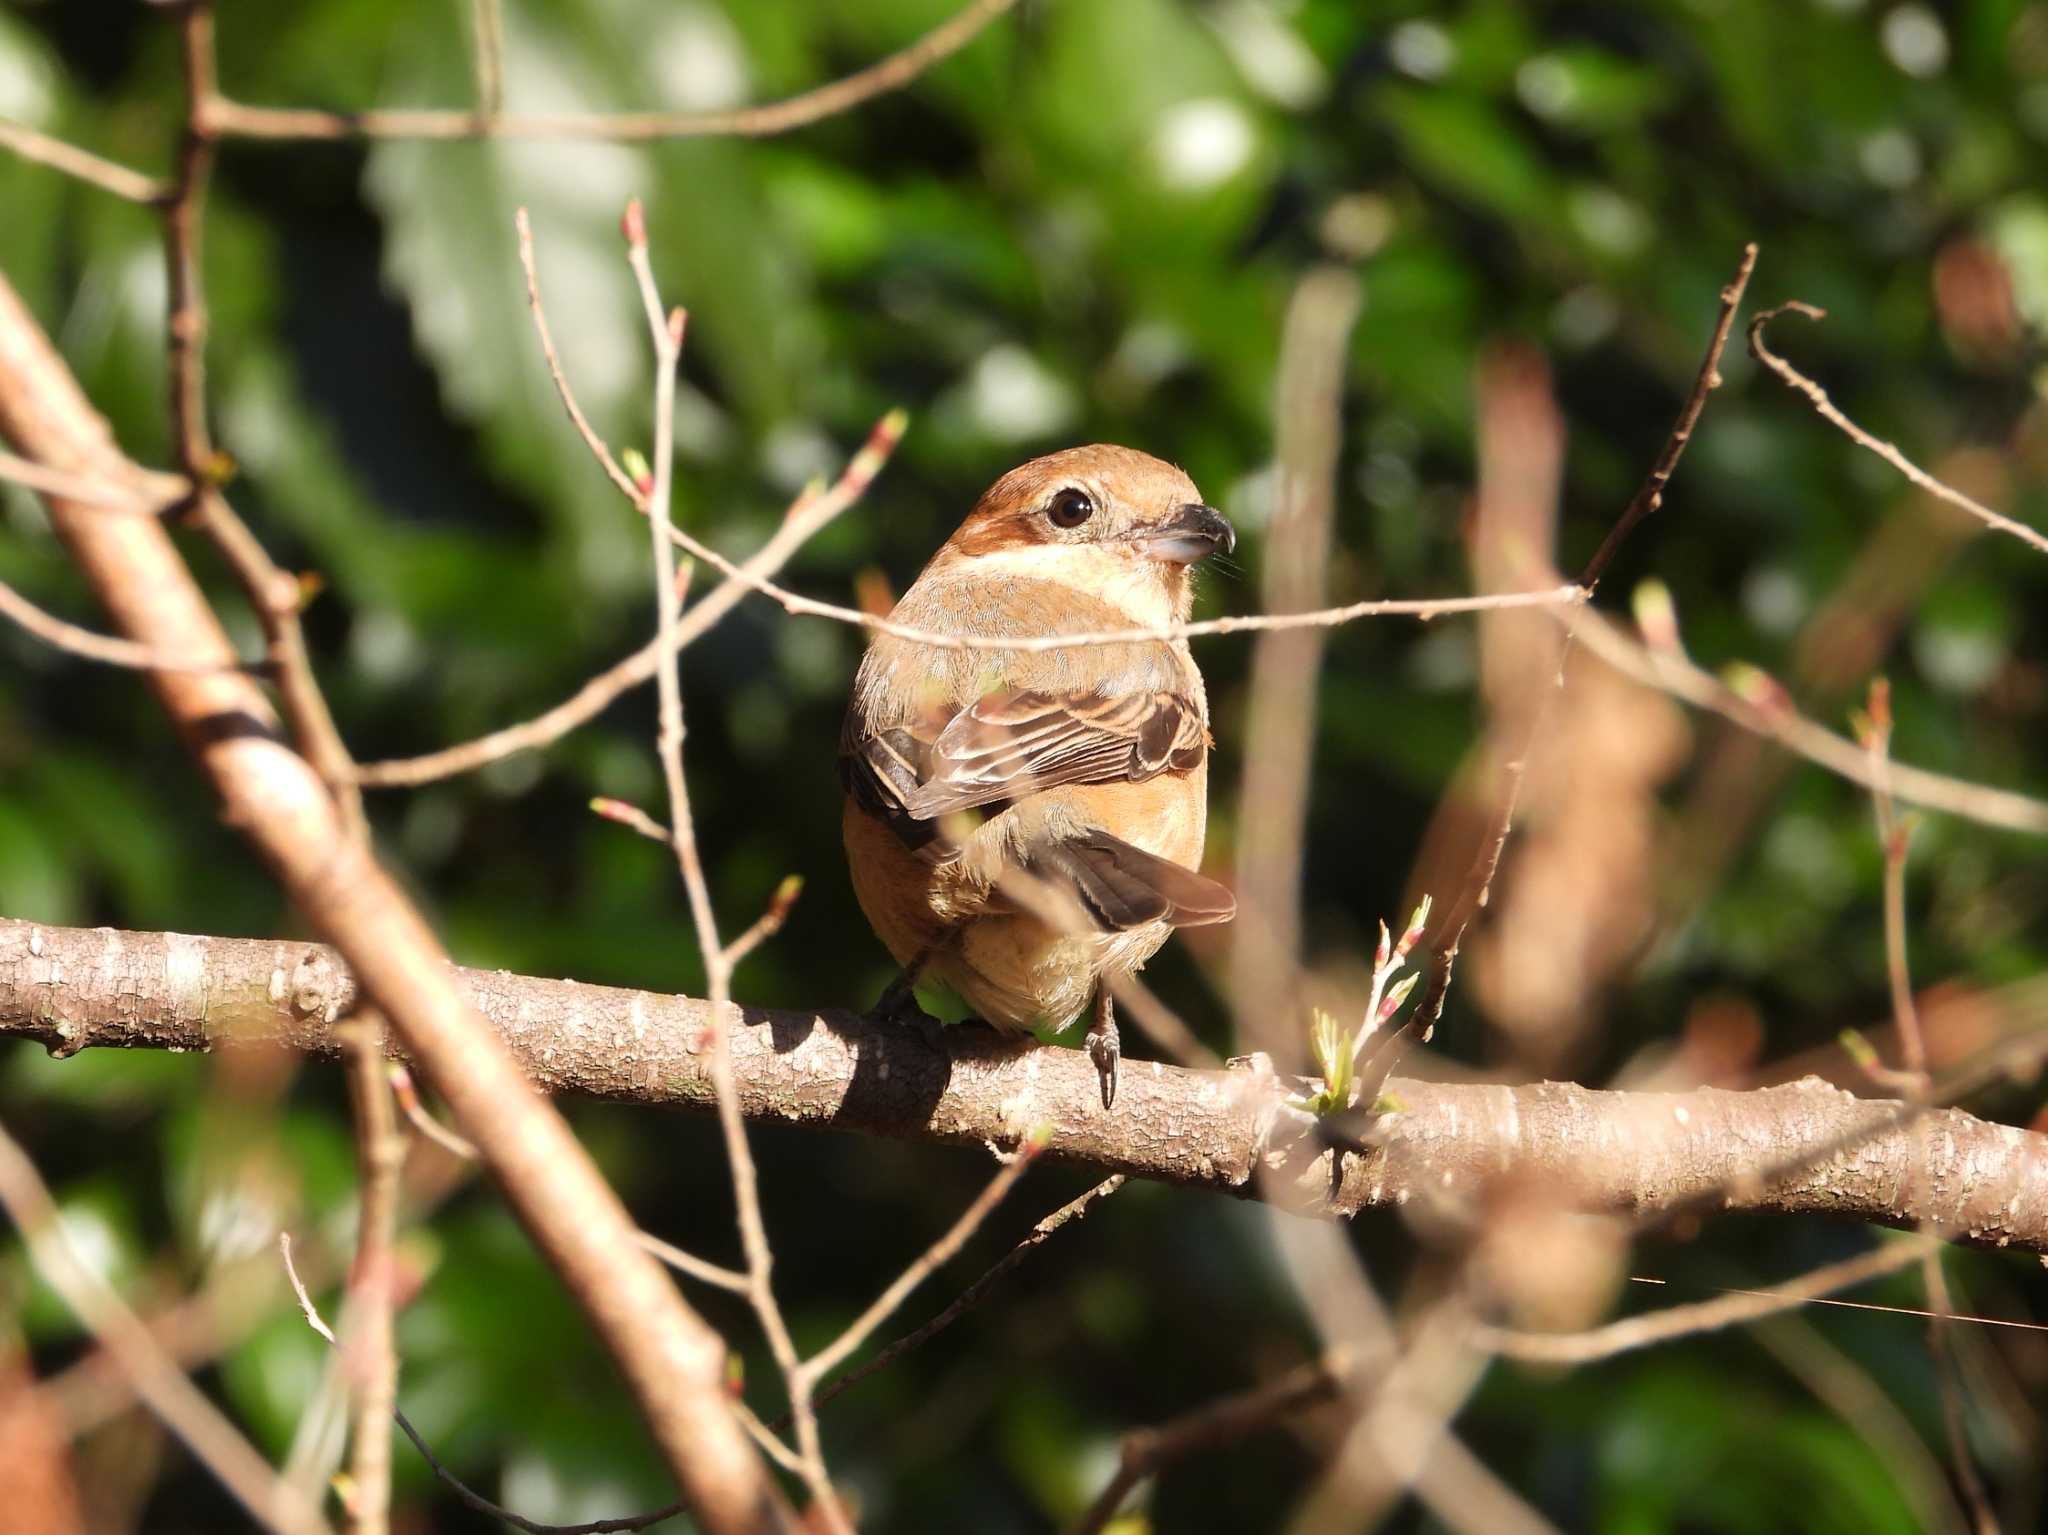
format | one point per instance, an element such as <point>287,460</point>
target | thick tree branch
<point>1451,1145</point>
<point>673,1362</point>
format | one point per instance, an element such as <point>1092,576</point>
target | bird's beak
<point>1194,532</point>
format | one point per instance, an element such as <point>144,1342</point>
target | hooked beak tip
<point>1195,532</point>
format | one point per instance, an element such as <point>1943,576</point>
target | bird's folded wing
<point>1014,743</point>
<point>1120,886</point>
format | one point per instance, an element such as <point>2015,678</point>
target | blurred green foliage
<point>1085,226</point>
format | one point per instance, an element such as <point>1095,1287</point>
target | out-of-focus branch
<point>369,1354</point>
<point>181,1406</point>
<point>107,649</point>
<point>1145,1451</point>
<point>1806,1148</point>
<point>1766,709</point>
<point>1472,895</point>
<point>275,596</point>
<point>232,119</point>
<point>81,164</point>
<point>672,1361</point>
<point>171,489</point>
<point>1265,955</point>
<point>1732,1309</point>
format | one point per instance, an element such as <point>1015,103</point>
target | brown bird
<point>1024,825</point>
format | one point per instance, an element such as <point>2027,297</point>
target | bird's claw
<point>1106,1051</point>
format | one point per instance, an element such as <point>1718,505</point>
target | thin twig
<point>1145,1451</point>
<point>634,818</point>
<point>275,596</point>
<point>81,164</point>
<point>1832,414</point>
<point>416,1112</point>
<point>1424,608</point>
<point>1894,836</point>
<point>769,923</point>
<point>771,1444</point>
<point>1730,1309</point>
<point>538,309</point>
<point>1941,1341</point>
<point>689,1263</point>
<point>469,1497</point>
<point>169,1393</point>
<point>969,1298</point>
<point>233,119</point>
<point>941,1252</point>
<point>370,1357</point>
<point>472,1499</point>
<point>666,330</point>
<point>90,645</point>
<point>1650,496</point>
<point>157,494</point>
<point>806,517</point>
<point>1472,896</point>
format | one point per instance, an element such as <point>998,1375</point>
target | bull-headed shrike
<point>1025,825</point>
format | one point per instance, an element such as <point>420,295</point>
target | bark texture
<point>1804,1148</point>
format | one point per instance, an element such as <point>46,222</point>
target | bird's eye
<point>1070,508</point>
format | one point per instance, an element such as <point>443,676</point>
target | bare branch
<point>1832,414</point>
<point>1214,1426</point>
<point>1641,1153</point>
<point>179,1404</point>
<point>232,119</point>
<point>80,164</point>
<point>577,419</point>
<point>1771,714</point>
<point>1265,951</point>
<point>1424,608</point>
<point>672,1361</point>
<point>1472,895</point>
<point>416,1113</point>
<point>169,489</point>
<point>1730,1309</point>
<point>805,518</point>
<point>370,1356</point>
<point>689,1263</point>
<point>469,1497</point>
<point>275,596</point>
<point>666,330</point>
<point>1072,1210</point>
<point>107,649</point>
<point>934,1257</point>
<point>1651,496</point>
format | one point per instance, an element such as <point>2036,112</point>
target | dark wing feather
<point>1120,886</point>
<point>881,772</point>
<point>1011,744</point>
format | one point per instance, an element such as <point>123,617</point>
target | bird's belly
<point>1017,973</point>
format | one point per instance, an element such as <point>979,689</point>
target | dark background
<point>1085,227</point>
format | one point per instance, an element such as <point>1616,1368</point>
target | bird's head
<point>1115,523</point>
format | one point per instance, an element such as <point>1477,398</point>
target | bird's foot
<point>1106,1051</point>
<point>897,1006</point>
